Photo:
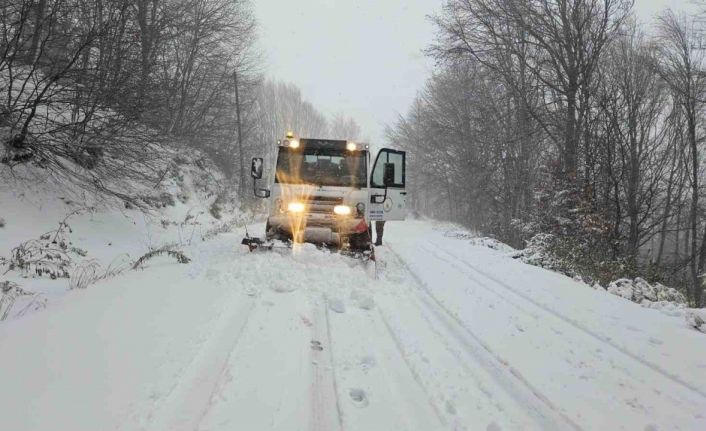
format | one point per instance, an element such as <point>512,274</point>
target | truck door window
<point>387,156</point>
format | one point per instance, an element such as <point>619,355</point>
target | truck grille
<point>322,204</point>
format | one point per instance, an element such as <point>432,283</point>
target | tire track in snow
<point>188,401</point>
<point>571,322</point>
<point>511,381</point>
<point>376,390</point>
<point>324,389</point>
<point>415,375</point>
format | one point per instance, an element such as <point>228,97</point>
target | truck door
<point>388,197</point>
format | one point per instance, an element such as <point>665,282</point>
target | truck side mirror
<point>256,168</point>
<point>262,193</point>
<point>388,176</point>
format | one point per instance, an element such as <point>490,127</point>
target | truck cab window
<point>321,167</point>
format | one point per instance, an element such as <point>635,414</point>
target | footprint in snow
<point>656,341</point>
<point>366,303</point>
<point>450,408</point>
<point>306,321</point>
<point>316,345</point>
<point>337,305</point>
<point>360,399</point>
<point>367,362</point>
<point>493,427</point>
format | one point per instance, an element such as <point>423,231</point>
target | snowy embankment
<point>450,336</point>
<point>54,239</point>
<point>649,295</point>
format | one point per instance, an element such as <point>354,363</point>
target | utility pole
<point>241,182</point>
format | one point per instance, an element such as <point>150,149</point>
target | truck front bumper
<point>316,228</point>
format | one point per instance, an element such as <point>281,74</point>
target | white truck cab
<point>327,192</point>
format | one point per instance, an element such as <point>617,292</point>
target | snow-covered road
<point>450,336</point>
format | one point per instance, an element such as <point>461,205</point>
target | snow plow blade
<point>260,244</point>
<point>265,245</point>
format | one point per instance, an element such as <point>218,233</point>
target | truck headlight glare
<point>294,144</point>
<point>295,207</point>
<point>342,210</point>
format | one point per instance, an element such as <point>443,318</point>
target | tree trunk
<point>667,209</point>
<point>241,160</point>
<point>37,33</point>
<point>695,285</point>
<point>146,44</point>
<point>570,162</point>
<point>633,181</point>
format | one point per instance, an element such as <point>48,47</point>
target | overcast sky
<point>362,58</point>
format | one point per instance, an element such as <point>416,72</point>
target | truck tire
<point>359,241</point>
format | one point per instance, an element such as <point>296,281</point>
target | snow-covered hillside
<point>450,335</point>
<point>54,238</point>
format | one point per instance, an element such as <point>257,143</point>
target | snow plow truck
<point>327,192</point>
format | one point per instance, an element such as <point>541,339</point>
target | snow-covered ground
<point>445,334</point>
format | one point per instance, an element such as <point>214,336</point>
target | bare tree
<point>682,68</point>
<point>342,127</point>
<point>560,42</point>
<point>93,91</point>
<point>631,105</point>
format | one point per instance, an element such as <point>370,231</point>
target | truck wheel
<point>359,241</point>
<point>268,235</point>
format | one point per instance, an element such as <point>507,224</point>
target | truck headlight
<point>342,210</point>
<point>295,207</point>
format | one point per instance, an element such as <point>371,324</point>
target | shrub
<point>162,200</point>
<point>9,292</point>
<point>163,251</point>
<point>90,271</point>
<point>47,256</point>
<point>639,290</point>
<point>573,257</point>
<point>50,255</point>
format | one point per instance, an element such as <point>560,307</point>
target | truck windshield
<point>322,167</point>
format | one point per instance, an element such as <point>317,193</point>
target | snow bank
<point>535,253</point>
<point>474,238</point>
<point>696,318</point>
<point>654,296</point>
<point>640,291</point>
<point>657,296</point>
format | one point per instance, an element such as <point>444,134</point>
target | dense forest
<point>569,126</point>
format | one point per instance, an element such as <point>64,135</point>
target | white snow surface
<point>443,335</point>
